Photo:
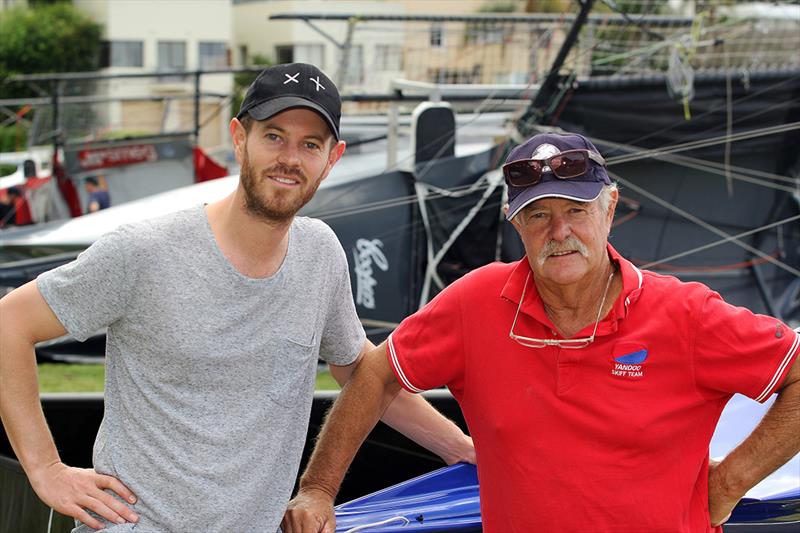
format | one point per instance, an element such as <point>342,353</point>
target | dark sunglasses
<point>566,165</point>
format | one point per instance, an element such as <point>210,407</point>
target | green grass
<point>89,378</point>
<point>71,378</point>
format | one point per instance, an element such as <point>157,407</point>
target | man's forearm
<point>771,444</point>
<point>20,407</point>
<point>358,408</point>
<point>25,319</point>
<point>414,417</point>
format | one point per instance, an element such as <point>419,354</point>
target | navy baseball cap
<point>584,188</point>
<point>293,85</point>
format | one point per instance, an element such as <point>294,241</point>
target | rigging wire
<point>716,108</point>
<point>703,224</point>
<point>720,242</point>
<point>704,143</point>
<point>739,173</point>
<point>662,152</point>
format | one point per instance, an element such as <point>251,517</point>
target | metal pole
<point>196,119</point>
<point>536,111</point>
<point>391,135</point>
<point>56,136</point>
<point>197,107</point>
<point>344,61</point>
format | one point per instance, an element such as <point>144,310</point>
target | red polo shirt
<point>612,437</point>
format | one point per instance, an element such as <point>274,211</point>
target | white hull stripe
<point>396,364</point>
<point>786,359</point>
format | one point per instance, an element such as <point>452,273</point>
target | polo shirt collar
<point>632,281</point>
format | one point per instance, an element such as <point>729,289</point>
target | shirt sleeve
<point>91,292</point>
<point>426,350</point>
<point>343,336</point>
<point>739,351</point>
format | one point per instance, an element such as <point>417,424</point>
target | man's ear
<point>336,153</point>
<point>239,138</point>
<point>514,221</point>
<point>612,206</point>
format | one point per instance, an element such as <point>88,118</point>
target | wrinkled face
<point>283,161</point>
<point>565,241</point>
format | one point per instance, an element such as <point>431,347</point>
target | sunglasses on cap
<point>566,165</point>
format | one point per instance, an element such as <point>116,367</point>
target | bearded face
<point>270,203</point>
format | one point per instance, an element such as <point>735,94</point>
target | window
<point>171,56</point>
<point>301,53</point>
<point>212,55</point>
<point>310,53</point>
<point>355,65</point>
<point>437,37</point>
<point>122,54</point>
<point>388,57</point>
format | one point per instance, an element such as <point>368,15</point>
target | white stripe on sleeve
<point>784,363</point>
<point>396,364</point>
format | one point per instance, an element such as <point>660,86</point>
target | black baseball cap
<point>293,85</point>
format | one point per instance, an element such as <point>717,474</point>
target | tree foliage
<point>242,80</point>
<point>45,38</point>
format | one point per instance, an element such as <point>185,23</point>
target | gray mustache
<point>570,244</point>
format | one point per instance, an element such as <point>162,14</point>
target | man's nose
<point>559,228</point>
<point>289,156</point>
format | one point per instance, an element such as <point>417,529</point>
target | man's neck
<point>255,247</point>
<point>572,307</point>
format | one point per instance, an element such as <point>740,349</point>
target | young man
<point>591,388</point>
<point>216,317</point>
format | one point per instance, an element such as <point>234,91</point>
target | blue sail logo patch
<point>633,358</point>
<point>630,365</point>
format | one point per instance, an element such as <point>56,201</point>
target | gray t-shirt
<point>209,374</point>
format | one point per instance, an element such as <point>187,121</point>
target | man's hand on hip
<point>720,502</point>
<point>73,491</point>
<point>311,511</point>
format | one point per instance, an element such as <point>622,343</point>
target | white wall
<point>151,21</point>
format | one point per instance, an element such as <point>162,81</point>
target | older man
<point>591,388</point>
<point>216,316</point>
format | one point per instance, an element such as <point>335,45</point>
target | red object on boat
<point>205,168</point>
<point>66,188</point>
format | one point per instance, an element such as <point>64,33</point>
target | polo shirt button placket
<point>566,369</point>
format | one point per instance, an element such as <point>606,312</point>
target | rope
<point>381,523</point>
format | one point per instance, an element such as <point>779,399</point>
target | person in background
<point>6,209</point>
<point>21,207</point>
<point>98,195</point>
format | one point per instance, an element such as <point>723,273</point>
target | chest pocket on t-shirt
<point>292,375</point>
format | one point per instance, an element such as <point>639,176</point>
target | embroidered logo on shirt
<point>778,330</point>
<point>630,365</point>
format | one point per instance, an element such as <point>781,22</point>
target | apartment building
<point>165,37</point>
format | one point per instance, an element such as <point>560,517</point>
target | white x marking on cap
<point>291,78</point>
<point>319,85</point>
